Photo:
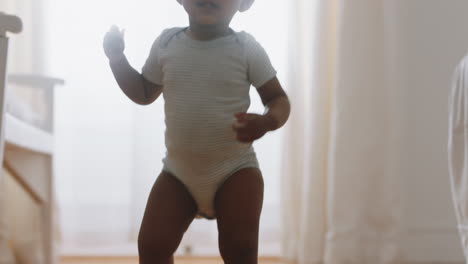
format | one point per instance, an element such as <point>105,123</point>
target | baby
<point>210,169</point>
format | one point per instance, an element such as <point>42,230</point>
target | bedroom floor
<point>133,260</point>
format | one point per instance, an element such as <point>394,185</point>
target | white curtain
<point>109,150</point>
<point>340,197</point>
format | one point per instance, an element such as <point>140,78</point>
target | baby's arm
<point>276,102</point>
<point>130,81</point>
<point>250,127</point>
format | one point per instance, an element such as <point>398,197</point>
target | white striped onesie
<point>204,84</point>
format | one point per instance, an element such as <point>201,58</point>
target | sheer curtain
<point>340,196</point>
<point>109,150</point>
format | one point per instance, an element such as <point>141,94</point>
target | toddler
<point>204,72</point>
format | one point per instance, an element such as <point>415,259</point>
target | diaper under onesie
<point>204,84</point>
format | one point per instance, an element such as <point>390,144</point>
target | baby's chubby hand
<point>114,44</point>
<point>249,127</point>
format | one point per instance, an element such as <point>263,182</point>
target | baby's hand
<point>249,127</point>
<point>114,44</point>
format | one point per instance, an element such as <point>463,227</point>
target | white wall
<point>429,39</point>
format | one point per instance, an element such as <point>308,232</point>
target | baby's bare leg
<point>238,205</point>
<point>168,214</point>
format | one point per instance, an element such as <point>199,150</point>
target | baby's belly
<point>200,120</point>
<point>201,133</point>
